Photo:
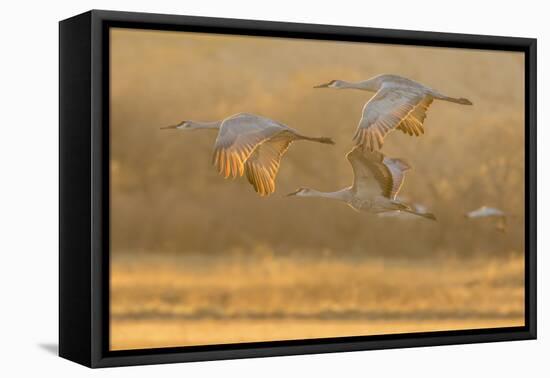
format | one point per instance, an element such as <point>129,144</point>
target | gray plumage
<point>251,145</point>
<point>377,180</point>
<point>398,104</point>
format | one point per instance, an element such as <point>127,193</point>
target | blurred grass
<point>324,294</point>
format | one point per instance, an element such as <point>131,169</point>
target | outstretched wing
<point>238,137</point>
<point>263,165</point>
<point>375,174</point>
<point>397,168</point>
<point>414,123</point>
<point>387,110</point>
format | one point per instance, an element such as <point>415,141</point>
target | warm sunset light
<point>418,228</point>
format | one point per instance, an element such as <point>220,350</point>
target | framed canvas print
<point>234,188</point>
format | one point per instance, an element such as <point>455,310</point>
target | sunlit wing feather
<point>397,169</point>
<point>262,166</point>
<point>413,124</point>
<point>237,139</point>
<point>389,108</point>
<point>375,174</point>
<point>367,182</point>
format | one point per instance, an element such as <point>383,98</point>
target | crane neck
<point>370,85</point>
<point>214,125</point>
<point>340,195</point>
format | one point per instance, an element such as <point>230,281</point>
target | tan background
<point>198,259</point>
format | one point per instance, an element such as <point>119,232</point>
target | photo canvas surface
<point>255,195</point>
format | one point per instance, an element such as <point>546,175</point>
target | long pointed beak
<point>322,85</point>
<point>292,194</point>
<point>169,127</point>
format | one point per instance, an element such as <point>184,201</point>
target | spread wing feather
<point>388,109</point>
<point>397,169</point>
<point>262,166</point>
<point>414,123</point>
<point>237,139</point>
<point>375,174</point>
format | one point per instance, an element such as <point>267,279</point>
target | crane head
<point>183,125</point>
<point>330,84</point>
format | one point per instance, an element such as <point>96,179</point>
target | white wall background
<point>29,186</point>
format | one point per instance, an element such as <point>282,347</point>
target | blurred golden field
<point>197,259</point>
<point>192,300</point>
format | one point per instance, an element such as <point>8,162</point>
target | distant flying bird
<point>376,183</point>
<point>486,212</point>
<point>490,212</point>
<point>399,103</point>
<point>250,144</point>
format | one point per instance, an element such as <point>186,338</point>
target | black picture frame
<point>84,188</point>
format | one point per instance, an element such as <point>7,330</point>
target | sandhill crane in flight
<point>376,183</point>
<point>399,103</point>
<point>490,212</point>
<point>250,144</point>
